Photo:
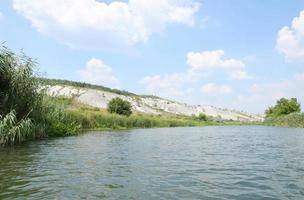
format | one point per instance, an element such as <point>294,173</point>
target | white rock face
<point>149,105</point>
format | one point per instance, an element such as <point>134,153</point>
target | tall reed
<point>25,110</point>
<point>13,131</point>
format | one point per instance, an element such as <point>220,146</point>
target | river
<point>228,162</point>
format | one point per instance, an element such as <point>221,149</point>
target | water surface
<point>248,162</point>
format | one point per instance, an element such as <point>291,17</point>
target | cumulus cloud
<point>97,72</point>
<point>290,40</point>
<point>168,85</point>
<point>214,89</point>
<point>213,60</point>
<point>201,64</point>
<point>95,24</point>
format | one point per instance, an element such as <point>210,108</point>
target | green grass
<point>295,120</point>
<point>91,118</point>
<point>100,119</point>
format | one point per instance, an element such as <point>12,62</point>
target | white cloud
<point>239,75</point>
<point>213,60</point>
<point>94,24</point>
<point>207,60</point>
<point>168,85</point>
<point>215,90</point>
<point>290,40</point>
<point>1,15</point>
<point>97,72</point>
<point>200,67</point>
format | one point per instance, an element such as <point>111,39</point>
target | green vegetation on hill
<point>47,81</point>
<point>52,82</point>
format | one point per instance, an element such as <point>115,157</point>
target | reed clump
<point>26,112</point>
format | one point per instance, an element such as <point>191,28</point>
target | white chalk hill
<point>146,104</point>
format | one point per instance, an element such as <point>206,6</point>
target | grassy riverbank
<point>294,120</point>
<point>99,119</point>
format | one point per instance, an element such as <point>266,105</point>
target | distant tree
<point>202,117</point>
<point>284,107</point>
<point>119,106</point>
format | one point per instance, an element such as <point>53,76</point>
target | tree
<point>284,107</point>
<point>202,117</point>
<point>119,106</point>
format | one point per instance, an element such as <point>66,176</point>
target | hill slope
<point>99,96</point>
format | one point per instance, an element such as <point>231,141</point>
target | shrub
<point>202,117</point>
<point>119,106</point>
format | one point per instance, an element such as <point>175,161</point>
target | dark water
<point>178,163</point>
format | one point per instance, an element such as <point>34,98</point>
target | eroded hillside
<point>146,104</point>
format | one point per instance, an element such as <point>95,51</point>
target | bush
<point>202,117</point>
<point>119,106</point>
<point>284,107</point>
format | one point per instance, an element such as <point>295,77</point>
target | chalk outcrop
<point>149,105</point>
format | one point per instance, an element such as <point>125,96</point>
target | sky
<point>236,54</point>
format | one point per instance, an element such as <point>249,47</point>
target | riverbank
<point>91,118</point>
<point>294,120</point>
<point>72,117</point>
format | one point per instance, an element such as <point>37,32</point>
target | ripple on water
<point>181,163</point>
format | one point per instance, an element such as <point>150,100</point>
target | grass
<point>295,120</point>
<point>91,118</point>
<point>95,118</point>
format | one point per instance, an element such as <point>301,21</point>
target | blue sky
<point>238,54</point>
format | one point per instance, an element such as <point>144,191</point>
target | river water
<point>229,162</point>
